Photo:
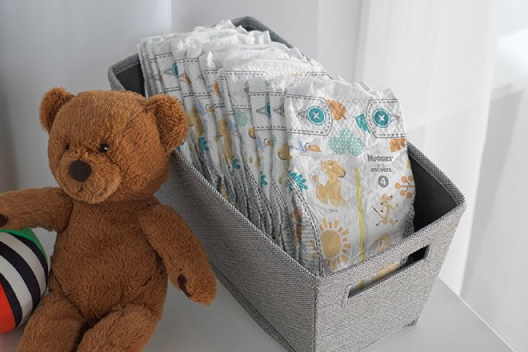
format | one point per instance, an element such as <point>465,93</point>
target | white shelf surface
<point>447,324</point>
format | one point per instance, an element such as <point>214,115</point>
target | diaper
<point>228,126</point>
<point>168,74</point>
<point>156,59</point>
<point>320,165</point>
<point>203,103</point>
<point>238,72</point>
<point>150,62</point>
<point>228,145</point>
<point>262,134</point>
<point>196,131</point>
<point>147,59</point>
<point>355,197</point>
<point>152,49</point>
<point>160,74</point>
<point>289,226</point>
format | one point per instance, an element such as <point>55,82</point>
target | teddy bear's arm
<point>48,207</point>
<point>183,255</point>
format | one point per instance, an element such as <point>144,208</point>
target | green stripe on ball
<point>28,234</point>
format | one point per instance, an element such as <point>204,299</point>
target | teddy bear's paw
<point>8,222</point>
<point>3,220</point>
<point>4,210</point>
<point>10,215</point>
<point>199,288</point>
<point>182,285</point>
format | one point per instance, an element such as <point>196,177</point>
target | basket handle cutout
<point>388,272</point>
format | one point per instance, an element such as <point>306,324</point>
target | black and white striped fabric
<point>23,276</point>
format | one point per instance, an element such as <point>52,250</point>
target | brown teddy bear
<point>116,245</point>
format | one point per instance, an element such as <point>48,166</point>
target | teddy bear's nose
<point>79,170</point>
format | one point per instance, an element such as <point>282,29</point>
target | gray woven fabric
<point>121,67</point>
<point>276,286</point>
<point>399,299</point>
<point>303,312</point>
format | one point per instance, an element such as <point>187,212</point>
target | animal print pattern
<point>356,176</point>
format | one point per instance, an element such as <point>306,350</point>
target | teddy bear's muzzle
<point>80,170</point>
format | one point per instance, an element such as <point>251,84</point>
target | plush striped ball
<point>23,276</point>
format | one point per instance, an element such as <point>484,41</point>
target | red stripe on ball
<point>7,320</point>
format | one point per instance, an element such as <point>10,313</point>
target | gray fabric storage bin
<point>306,313</point>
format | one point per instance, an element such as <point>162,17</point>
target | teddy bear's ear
<point>171,119</point>
<point>53,100</point>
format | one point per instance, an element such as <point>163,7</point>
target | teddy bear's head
<point>110,146</point>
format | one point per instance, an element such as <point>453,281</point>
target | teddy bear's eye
<point>103,148</point>
<point>67,147</point>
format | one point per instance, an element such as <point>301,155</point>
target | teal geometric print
<point>346,142</point>
<point>382,118</point>
<point>316,115</point>
<point>240,118</point>
<point>203,145</point>
<point>362,123</point>
<point>235,164</point>
<point>266,110</point>
<point>298,179</point>
<point>263,180</point>
<point>172,71</point>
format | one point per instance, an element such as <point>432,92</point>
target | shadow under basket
<point>303,312</point>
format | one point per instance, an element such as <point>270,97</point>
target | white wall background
<point>438,55</point>
<point>495,284</point>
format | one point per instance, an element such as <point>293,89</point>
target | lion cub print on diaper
<point>331,190</point>
<point>347,195</point>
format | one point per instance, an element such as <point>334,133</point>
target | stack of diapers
<point>318,164</point>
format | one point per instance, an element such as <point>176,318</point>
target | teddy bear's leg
<point>55,326</point>
<point>128,328</point>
